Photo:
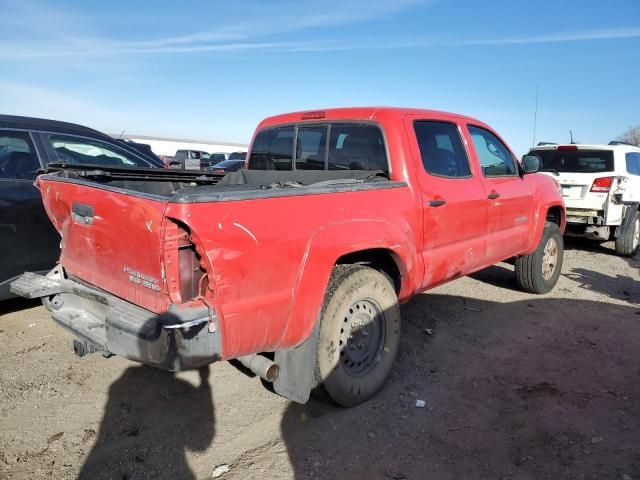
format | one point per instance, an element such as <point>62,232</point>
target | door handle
<point>493,195</point>
<point>82,213</point>
<point>437,202</point>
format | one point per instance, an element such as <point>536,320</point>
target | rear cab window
<point>574,160</point>
<point>333,146</point>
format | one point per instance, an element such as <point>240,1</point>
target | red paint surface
<point>269,260</point>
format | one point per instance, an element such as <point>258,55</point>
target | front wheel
<point>359,334</point>
<point>539,271</point>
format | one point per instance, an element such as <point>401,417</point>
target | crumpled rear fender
<point>325,248</point>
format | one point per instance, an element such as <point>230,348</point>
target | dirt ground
<point>516,386</point>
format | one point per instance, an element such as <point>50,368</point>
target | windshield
<point>575,161</point>
<point>238,156</point>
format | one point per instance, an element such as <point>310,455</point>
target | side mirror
<point>530,164</point>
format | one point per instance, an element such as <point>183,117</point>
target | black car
<point>227,166</point>
<point>28,242</point>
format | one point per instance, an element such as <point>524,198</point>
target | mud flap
<point>297,365</point>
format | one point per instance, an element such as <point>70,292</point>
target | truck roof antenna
<point>571,135</point>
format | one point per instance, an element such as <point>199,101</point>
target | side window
<point>633,163</point>
<point>310,148</point>
<point>78,150</point>
<point>272,149</point>
<point>18,158</point>
<point>495,158</point>
<point>441,149</point>
<point>357,147</point>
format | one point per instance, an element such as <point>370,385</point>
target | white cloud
<point>241,35</point>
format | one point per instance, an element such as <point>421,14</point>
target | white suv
<point>601,189</point>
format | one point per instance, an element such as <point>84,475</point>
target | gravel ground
<point>515,386</point>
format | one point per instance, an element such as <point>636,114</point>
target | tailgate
<point>111,240</point>
<point>577,190</point>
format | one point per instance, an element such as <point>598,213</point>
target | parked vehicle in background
<point>238,156</point>
<point>190,160</point>
<point>210,160</point>
<point>142,148</point>
<point>305,256</point>
<point>228,166</point>
<point>27,239</point>
<point>601,189</point>
<point>167,159</point>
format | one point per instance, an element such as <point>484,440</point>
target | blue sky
<point>212,70</point>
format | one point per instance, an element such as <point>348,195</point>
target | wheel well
<point>378,258</point>
<point>554,215</point>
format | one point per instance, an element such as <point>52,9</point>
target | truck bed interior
<point>169,183</point>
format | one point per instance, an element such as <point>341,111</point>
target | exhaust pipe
<point>261,366</point>
<point>82,347</point>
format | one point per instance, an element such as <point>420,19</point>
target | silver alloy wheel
<point>550,258</point>
<point>636,235</point>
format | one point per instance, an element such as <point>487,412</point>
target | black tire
<point>629,244</point>
<point>359,334</point>
<point>539,272</point>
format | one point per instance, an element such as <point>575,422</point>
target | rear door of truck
<point>453,199</point>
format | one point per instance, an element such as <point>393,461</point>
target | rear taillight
<point>567,147</point>
<point>602,184</point>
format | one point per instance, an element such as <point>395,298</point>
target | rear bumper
<point>182,338</point>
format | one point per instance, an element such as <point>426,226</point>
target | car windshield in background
<point>77,150</point>
<point>575,161</point>
<point>351,147</point>
<point>238,156</point>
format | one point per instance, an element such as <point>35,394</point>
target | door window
<point>441,149</point>
<point>495,158</point>
<point>18,159</point>
<point>78,150</point>
<point>633,163</point>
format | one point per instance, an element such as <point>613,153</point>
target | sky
<point>213,69</point>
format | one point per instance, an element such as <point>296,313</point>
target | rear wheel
<point>359,334</point>
<point>629,244</point>
<point>539,271</point>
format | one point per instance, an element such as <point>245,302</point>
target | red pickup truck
<point>297,264</point>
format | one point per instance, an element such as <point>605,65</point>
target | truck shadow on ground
<point>501,276</point>
<point>513,390</point>
<point>16,304</point>
<point>151,419</point>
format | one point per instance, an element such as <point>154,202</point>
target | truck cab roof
<point>363,114</point>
